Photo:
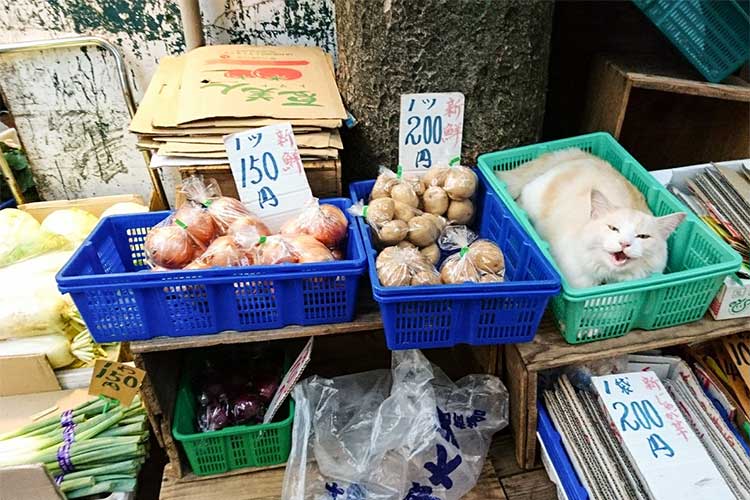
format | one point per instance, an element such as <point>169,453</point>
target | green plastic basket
<point>234,447</point>
<point>698,259</point>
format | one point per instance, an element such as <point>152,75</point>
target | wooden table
<point>549,350</point>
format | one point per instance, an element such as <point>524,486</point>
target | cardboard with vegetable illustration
<point>256,81</point>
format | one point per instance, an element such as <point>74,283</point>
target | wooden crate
<point>324,177</point>
<point>667,116</point>
<point>339,349</point>
<point>548,350</point>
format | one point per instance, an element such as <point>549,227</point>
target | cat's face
<point>626,241</point>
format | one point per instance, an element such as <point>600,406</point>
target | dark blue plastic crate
<point>121,299</point>
<point>418,317</point>
<point>11,203</point>
<point>558,457</point>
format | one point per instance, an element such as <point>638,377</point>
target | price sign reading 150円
<point>116,381</point>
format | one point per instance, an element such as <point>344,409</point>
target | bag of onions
<point>171,244</point>
<point>326,223</point>
<point>223,210</point>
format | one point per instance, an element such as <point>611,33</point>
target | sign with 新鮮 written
<point>268,171</point>
<point>430,130</point>
<point>738,347</point>
<point>289,380</point>
<point>116,381</point>
<point>669,457</point>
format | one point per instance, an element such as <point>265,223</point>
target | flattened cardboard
<point>31,482</point>
<point>256,81</point>
<point>189,144</point>
<point>26,375</point>
<point>17,411</point>
<point>96,205</point>
<point>260,122</point>
<point>168,72</point>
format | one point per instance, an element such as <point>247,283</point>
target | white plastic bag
<point>407,434</point>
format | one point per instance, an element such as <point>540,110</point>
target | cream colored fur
<point>598,225</point>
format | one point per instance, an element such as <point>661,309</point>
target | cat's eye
<point>643,236</point>
<point>613,228</point>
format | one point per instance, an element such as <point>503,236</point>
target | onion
<point>326,223</point>
<point>223,252</point>
<point>169,246</point>
<point>308,249</point>
<point>214,416</point>
<point>267,385</point>
<point>275,250</point>
<point>226,210</point>
<point>246,408</point>
<point>250,226</point>
<point>338,254</point>
<point>199,224</point>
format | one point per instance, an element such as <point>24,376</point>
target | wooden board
<point>266,485</point>
<point>533,485</point>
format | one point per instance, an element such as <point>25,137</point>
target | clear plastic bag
<point>22,237</point>
<point>477,260</point>
<point>223,209</point>
<point>324,222</point>
<point>405,266</point>
<point>405,434</point>
<point>170,245</point>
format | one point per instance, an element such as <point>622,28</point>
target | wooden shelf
<point>266,485</point>
<point>549,349</point>
<point>367,319</point>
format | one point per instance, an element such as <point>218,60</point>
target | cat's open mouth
<point>619,258</point>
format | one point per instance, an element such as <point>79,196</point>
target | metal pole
<point>127,92</point>
<point>11,180</point>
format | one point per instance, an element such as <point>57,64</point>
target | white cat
<point>598,225</point>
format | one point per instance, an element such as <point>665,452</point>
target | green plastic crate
<point>233,447</point>
<point>698,259</point>
<point>712,34</point>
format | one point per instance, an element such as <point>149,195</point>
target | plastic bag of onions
<point>170,244</point>
<point>223,209</point>
<point>326,223</point>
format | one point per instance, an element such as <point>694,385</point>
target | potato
<point>404,212</point>
<point>491,278</point>
<point>487,256</point>
<point>404,193</point>
<point>393,231</point>
<point>438,220</point>
<point>460,183</point>
<point>422,231</point>
<point>431,253</point>
<point>435,176</point>
<point>458,270</point>
<point>435,200</point>
<point>405,244</point>
<point>392,267</point>
<point>425,278</point>
<point>380,211</point>
<point>416,184</point>
<point>382,186</point>
<point>460,211</point>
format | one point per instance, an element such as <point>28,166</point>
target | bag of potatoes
<point>405,266</point>
<point>448,192</point>
<point>394,222</point>
<point>476,260</point>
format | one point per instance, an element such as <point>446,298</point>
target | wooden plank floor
<point>501,479</point>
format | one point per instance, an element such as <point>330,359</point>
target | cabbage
<point>21,237</point>
<point>73,224</point>
<point>125,207</point>
<point>30,303</point>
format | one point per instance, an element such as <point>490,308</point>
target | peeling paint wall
<point>67,103</point>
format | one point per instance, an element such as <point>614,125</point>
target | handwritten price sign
<point>430,130</point>
<point>657,437</point>
<point>116,381</point>
<point>268,171</point>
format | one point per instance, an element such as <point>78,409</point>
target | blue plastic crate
<point>11,203</point>
<point>714,35</point>
<point>418,317</point>
<point>121,299</point>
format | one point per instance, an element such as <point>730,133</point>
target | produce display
<point>35,317</point>
<point>416,221</point>
<point>95,448</point>
<point>235,389</point>
<point>211,230</point>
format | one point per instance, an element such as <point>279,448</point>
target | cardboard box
<point>96,205</point>
<point>733,299</point>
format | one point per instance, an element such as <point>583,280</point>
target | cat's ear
<point>669,223</point>
<point>599,204</point>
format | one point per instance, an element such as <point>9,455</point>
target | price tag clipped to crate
<point>669,457</point>
<point>430,130</point>
<point>116,381</point>
<point>289,380</point>
<point>268,172</point>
